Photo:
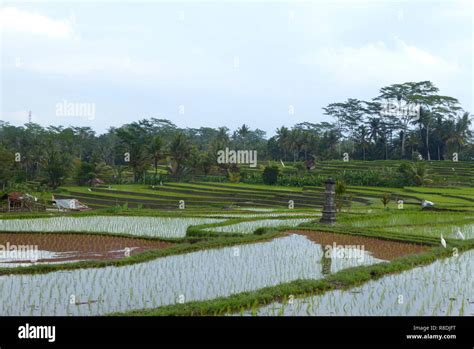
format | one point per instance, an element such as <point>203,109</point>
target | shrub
<point>270,175</point>
<point>386,199</point>
<point>233,176</point>
<point>415,173</point>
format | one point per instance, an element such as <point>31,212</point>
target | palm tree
<point>222,135</point>
<point>156,151</point>
<point>419,173</point>
<point>282,138</point>
<point>180,151</point>
<point>243,132</point>
<point>460,132</point>
<point>361,137</point>
<point>412,141</point>
<point>424,121</point>
<point>294,142</point>
<point>374,129</point>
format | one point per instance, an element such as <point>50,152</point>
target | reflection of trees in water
<point>325,263</point>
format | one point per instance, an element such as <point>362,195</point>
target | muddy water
<point>379,248</point>
<point>194,276</point>
<point>25,249</point>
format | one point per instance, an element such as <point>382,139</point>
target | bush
<point>415,173</point>
<point>270,175</point>
<point>233,175</point>
<point>386,198</point>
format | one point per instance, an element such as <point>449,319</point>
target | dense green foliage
<point>270,175</point>
<point>155,150</point>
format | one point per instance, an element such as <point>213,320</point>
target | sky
<point>220,63</point>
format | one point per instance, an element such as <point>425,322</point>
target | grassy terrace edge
<point>344,279</point>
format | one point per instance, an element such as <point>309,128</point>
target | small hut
<point>69,204</point>
<point>17,201</point>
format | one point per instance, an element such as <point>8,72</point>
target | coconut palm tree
<point>180,150</point>
<point>419,173</point>
<point>459,132</point>
<point>283,135</point>
<point>156,151</point>
<point>243,132</point>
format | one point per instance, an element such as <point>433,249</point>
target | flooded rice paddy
<point>443,288</point>
<point>250,227</point>
<point>379,248</point>
<point>23,249</point>
<point>201,275</point>
<point>460,231</point>
<point>166,227</point>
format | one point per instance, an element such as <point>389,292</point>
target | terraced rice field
<point>210,195</point>
<point>260,199</point>
<point>429,224</point>
<point>450,231</point>
<point>444,288</point>
<point>165,227</point>
<point>195,276</point>
<point>444,173</point>
<point>235,238</point>
<point>62,248</point>
<point>382,249</point>
<point>250,227</point>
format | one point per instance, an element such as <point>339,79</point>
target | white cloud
<point>13,19</point>
<point>377,63</point>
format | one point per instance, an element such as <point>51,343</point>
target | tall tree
<point>403,100</point>
<point>180,151</point>
<point>156,151</point>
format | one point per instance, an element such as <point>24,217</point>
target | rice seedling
<point>264,215</point>
<point>166,227</point>
<point>448,282</point>
<point>202,275</point>
<point>250,227</point>
<point>451,231</point>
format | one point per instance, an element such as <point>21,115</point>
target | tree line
<point>434,128</point>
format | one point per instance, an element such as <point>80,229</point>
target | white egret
<point>426,203</point>
<point>443,241</point>
<point>459,234</point>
